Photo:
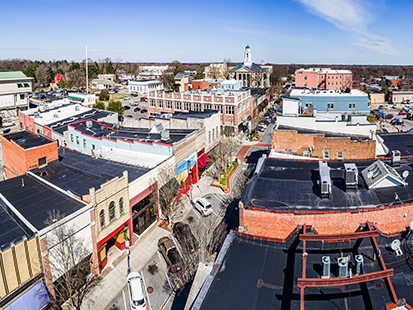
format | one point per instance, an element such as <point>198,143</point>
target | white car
<point>8,123</point>
<point>203,206</point>
<point>135,287</point>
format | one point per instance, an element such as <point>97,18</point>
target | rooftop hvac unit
<point>325,179</point>
<point>77,108</point>
<point>165,135</point>
<point>395,158</point>
<point>89,124</point>
<point>55,115</point>
<point>342,267</point>
<point>349,118</point>
<point>326,266</point>
<point>351,175</point>
<point>343,117</point>
<point>359,264</point>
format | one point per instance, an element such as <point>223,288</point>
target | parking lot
<point>159,281</point>
<point>134,102</point>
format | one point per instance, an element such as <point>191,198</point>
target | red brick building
<point>23,151</point>
<point>200,84</point>
<point>323,78</point>
<point>322,145</point>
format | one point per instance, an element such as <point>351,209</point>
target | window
<point>121,205</point>
<point>339,155</point>
<point>42,161</point>
<point>187,106</point>
<point>102,218</point>
<point>306,153</point>
<point>84,143</point>
<point>349,105</point>
<point>77,139</point>
<point>305,84</point>
<point>152,102</point>
<point>178,105</point>
<point>207,106</point>
<point>217,131</point>
<point>354,105</point>
<point>332,105</point>
<point>209,137</point>
<point>160,103</point>
<point>326,155</point>
<point>197,107</point>
<point>305,77</point>
<point>328,106</point>
<point>112,211</point>
<point>168,104</point>
<point>239,108</point>
<point>71,137</point>
<point>229,110</point>
<point>21,96</point>
<point>218,107</point>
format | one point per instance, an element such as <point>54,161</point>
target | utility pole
<point>87,75</point>
<point>126,229</point>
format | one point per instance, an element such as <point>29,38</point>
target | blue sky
<point>278,31</point>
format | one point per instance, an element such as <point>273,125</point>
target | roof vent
<point>77,108</point>
<point>351,176</point>
<point>55,115</point>
<point>165,135</point>
<point>342,267</point>
<point>326,266</point>
<point>325,179</point>
<point>89,124</point>
<point>395,158</point>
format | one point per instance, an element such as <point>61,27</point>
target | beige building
<point>376,98</point>
<point>400,96</point>
<point>14,92</point>
<point>250,74</point>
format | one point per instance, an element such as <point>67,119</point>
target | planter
<point>226,189</point>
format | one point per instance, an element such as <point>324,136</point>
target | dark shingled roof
<point>27,139</point>
<point>36,198</point>
<point>263,275</point>
<point>402,141</point>
<point>289,184</point>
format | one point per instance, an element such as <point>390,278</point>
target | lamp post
<point>190,177</point>
<point>127,245</point>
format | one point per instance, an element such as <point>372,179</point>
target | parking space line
<point>124,300</point>
<point>170,284</point>
<point>146,293</point>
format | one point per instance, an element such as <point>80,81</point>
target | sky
<point>278,31</point>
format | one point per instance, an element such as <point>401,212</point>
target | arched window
<point>102,218</point>
<point>121,205</point>
<point>112,211</point>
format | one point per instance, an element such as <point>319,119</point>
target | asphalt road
<point>156,274</point>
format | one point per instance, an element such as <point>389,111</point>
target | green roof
<point>6,74</point>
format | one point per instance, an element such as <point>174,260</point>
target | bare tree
<point>41,74</point>
<point>77,78</point>
<point>223,154</point>
<point>256,78</point>
<point>69,258</point>
<point>168,192</point>
<point>226,73</point>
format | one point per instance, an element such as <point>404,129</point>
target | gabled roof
<point>254,68</point>
<point>179,76</point>
<point>379,174</point>
<point>7,74</point>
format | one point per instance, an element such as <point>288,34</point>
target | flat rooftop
<point>263,275</point>
<point>299,92</point>
<point>195,114</point>
<point>289,184</point>
<point>401,141</point>
<point>35,199</point>
<point>327,134</point>
<point>26,139</point>
<point>77,172</point>
<point>100,130</point>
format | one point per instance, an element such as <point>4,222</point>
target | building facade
<point>323,78</point>
<point>144,86</point>
<point>236,107</point>
<point>14,92</point>
<point>400,96</point>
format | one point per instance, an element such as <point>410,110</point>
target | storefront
<point>144,213</point>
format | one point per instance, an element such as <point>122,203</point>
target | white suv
<point>203,206</point>
<point>135,287</point>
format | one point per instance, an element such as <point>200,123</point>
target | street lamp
<point>190,176</point>
<point>125,232</point>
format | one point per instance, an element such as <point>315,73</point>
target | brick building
<point>322,145</point>
<point>200,84</point>
<point>23,151</point>
<point>236,107</point>
<point>323,78</point>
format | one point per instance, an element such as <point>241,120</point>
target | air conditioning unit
<point>325,179</point>
<point>89,124</point>
<point>350,176</point>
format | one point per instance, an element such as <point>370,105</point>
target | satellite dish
<point>395,244</point>
<point>370,174</point>
<point>405,174</point>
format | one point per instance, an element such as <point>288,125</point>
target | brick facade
<point>279,224</point>
<point>17,160</point>
<point>317,144</point>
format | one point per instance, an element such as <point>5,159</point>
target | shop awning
<point>35,298</point>
<point>203,160</point>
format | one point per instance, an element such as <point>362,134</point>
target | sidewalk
<point>114,275</point>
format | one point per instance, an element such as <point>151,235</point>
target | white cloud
<point>351,16</point>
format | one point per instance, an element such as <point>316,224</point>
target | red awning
<point>203,160</point>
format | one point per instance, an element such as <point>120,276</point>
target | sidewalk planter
<point>226,189</point>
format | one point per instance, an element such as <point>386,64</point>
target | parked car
<point>129,116</point>
<point>203,206</point>
<point>397,121</point>
<point>8,123</point>
<point>183,234</point>
<point>144,98</point>
<point>261,128</point>
<point>126,107</point>
<point>136,292</point>
<point>170,253</point>
<point>144,110</point>
<point>402,113</point>
<point>388,116</point>
<point>126,98</point>
<point>136,109</point>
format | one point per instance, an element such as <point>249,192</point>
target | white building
<point>14,92</point>
<point>102,84</point>
<point>110,77</point>
<point>86,100</point>
<point>151,72</point>
<point>144,86</point>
